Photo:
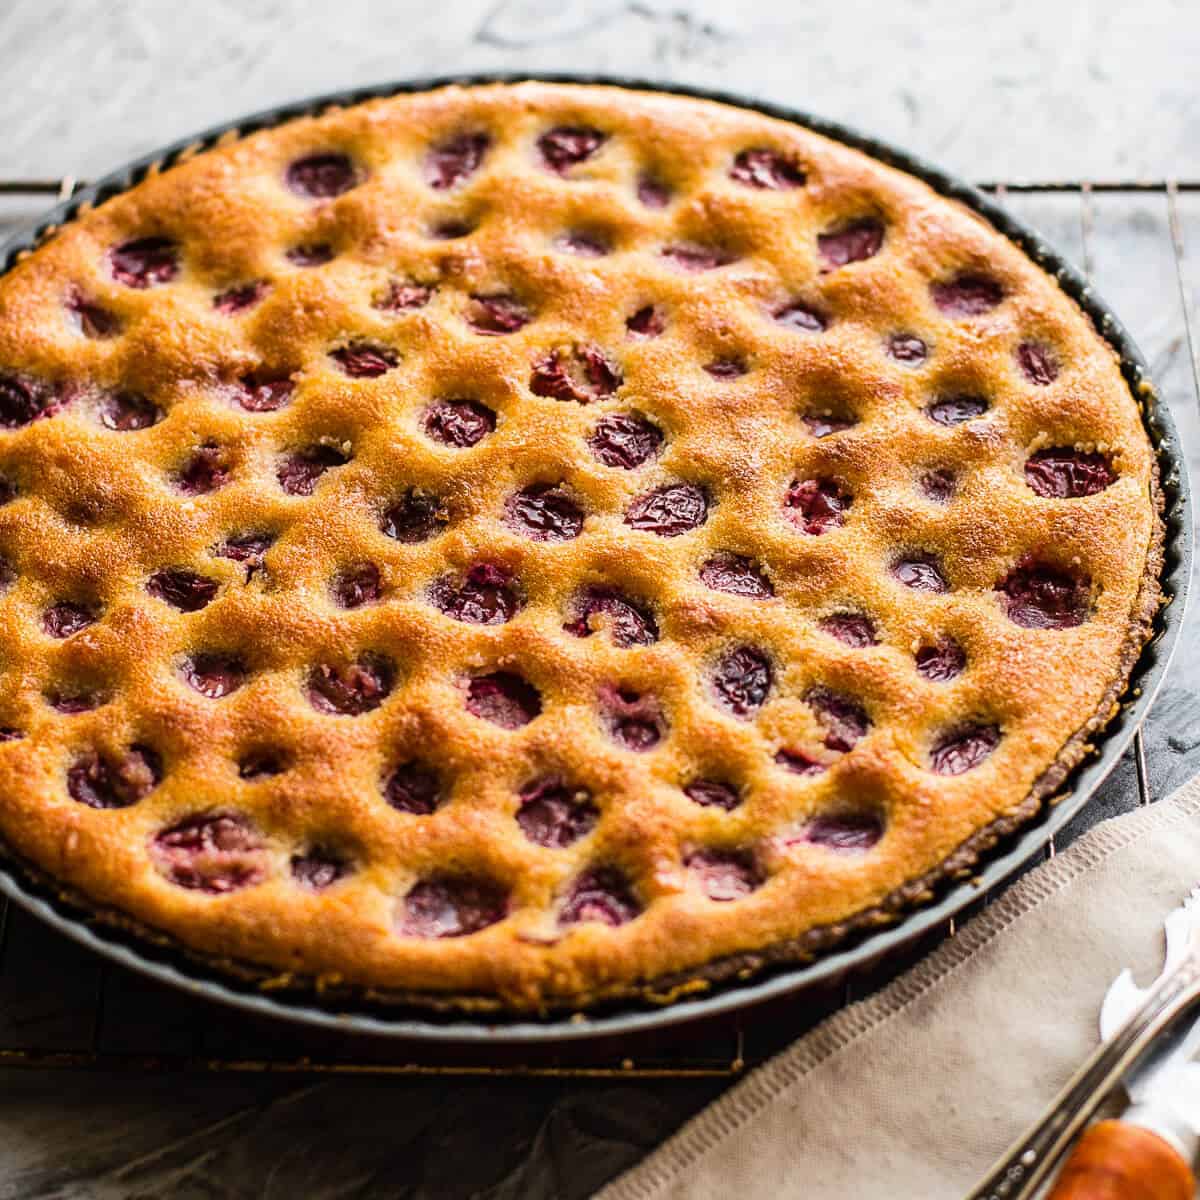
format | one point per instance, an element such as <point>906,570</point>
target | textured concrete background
<point>992,90</point>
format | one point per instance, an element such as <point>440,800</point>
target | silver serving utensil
<point>1152,1146</point>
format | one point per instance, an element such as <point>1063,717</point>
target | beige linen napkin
<point>916,1091</point>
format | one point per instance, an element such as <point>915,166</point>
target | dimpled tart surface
<point>522,544</point>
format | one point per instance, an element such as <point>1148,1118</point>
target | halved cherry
<point>555,813</point>
<point>766,170</point>
<point>564,146</point>
<point>351,689</point>
<point>1036,595</point>
<point>503,698</point>
<point>213,852</point>
<point>445,906</point>
<point>451,162</point>
<point>322,176</point>
<point>963,748</point>
<point>669,511</point>
<point>741,680</point>
<point>102,780</point>
<point>602,895</point>
<point>145,262</point>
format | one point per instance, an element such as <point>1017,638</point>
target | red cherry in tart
<point>67,618</point>
<point>486,595</point>
<point>800,762</point>
<point>766,170</point>
<point>262,391</point>
<point>583,374</point>
<point>70,702</point>
<point>415,517</point>
<point>182,589</point>
<point>941,661</point>
<point>504,699</point>
<point>693,257</point>
<point>459,423</point>
<point>634,720</point>
<point>556,814</point>
<point>310,254</point>
<point>647,322</point>
<point>322,176</point>
<point>817,505</point>
<point>404,296</point>
<point>207,470</point>
<point>1038,362</point>
<point>713,793</point>
<point>455,160</point>
<point>365,360</point>
<point>24,400</point>
<point>238,299</point>
<point>318,868</point>
<point>625,440</point>
<point>565,146</point>
<point>737,575</point>
<point>963,749</point>
<point>447,906</point>
<point>102,780</point>
<point>413,787</point>
<point>852,629</point>
<point>92,318</point>
<point>938,485</point>
<point>669,511</point>
<point>921,572</point>
<point>145,262</point>
<point>545,512</point>
<point>299,473</point>
<point>844,720</point>
<point>262,764</point>
<point>652,192</point>
<point>497,315</point>
<point>1036,595</point>
<point>1065,474</point>
<point>125,412</point>
<point>741,681</point>
<point>214,853</point>
<point>601,895</point>
<point>851,243</point>
<point>801,317</point>
<point>955,410</point>
<point>724,875</point>
<point>213,675</point>
<point>597,608</point>
<point>351,689</point>
<point>584,245</point>
<point>356,585</point>
<point>247,548</point>
<point>969,294</point>
<point>908,349</point>
<point>847,830</point>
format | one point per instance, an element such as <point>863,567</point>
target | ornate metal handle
<point>1019,1174</point>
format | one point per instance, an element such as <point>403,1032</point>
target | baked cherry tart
<point>517,546</point>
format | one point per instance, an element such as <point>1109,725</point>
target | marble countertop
<point>993,91</point>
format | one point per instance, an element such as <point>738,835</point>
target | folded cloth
<point>916,1091</point>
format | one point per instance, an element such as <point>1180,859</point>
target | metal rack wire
<point>61,1007</point>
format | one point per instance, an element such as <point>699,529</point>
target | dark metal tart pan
<point>988,859</point>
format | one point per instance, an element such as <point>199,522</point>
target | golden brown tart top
<point>524,542</point>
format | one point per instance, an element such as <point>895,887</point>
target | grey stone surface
<point>993,90</point>
<point>997,90</point>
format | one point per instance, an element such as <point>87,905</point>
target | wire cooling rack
<point>61,1006</point>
